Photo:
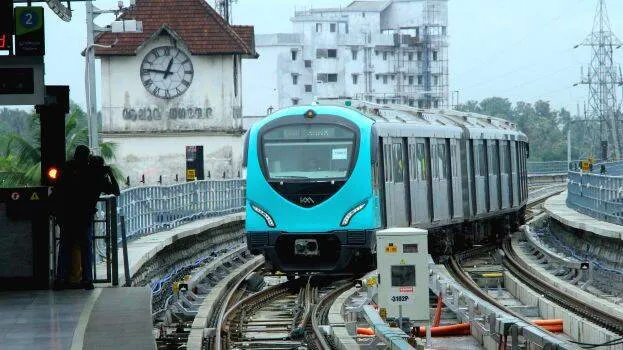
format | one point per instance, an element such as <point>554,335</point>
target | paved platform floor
<point>557,208</point>
<point>103,318</point>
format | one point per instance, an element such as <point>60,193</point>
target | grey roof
<point>371,6</point>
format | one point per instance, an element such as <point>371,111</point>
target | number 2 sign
<point>29,31</point>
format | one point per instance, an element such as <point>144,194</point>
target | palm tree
<point>20,164</point>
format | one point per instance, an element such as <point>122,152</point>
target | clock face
<point>166,72</point>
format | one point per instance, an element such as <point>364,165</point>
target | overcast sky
<point>522,50</point>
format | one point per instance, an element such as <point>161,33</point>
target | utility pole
<point>89,54</point>
<point>602,78</point>
<point>224,8</point>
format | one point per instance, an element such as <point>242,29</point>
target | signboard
<point>29,31</point>
<point>21,80</point>
<point>6,25</point>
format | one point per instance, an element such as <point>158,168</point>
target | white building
<point>177,84</point>
<point>392,51</point>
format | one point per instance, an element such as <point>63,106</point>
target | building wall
<point>371,34</point>
<point>127,106</point>
<point>151,133</point>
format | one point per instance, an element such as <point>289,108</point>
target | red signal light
<point>3,42</point>
<point>53,173</point>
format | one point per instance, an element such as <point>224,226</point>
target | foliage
<point>545,127</point>
<point>20,144</point>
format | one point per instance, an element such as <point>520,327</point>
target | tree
<point>20,163</point>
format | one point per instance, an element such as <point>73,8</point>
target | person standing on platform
<point>70,206</point>
<point>102,181</point>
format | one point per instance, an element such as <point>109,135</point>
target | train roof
<point>410,121</point>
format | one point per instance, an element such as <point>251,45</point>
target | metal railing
<point>598,196</point>
<point>156,208</point>
<point>547,168</point>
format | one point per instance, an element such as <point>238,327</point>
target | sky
<point>522,50</point>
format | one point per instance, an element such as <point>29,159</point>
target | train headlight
<point>269,220</point>
<point>352,212</point>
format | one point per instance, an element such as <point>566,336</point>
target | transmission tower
<point>224,8</point>
<point>603,77</point>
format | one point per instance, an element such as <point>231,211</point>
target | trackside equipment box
<point>402,264</point>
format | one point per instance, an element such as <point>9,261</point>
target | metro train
<point>322,179</point>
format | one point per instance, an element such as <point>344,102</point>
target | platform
<point>557,208</point>
<point>103,318</point>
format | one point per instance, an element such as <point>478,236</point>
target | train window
<point>421,161</point>
<point>454,160</point>
<point>433,161</point>
<point>494,159</point>
<point>387,155</point>
<point>442,161</point>
<point>412,162</point>
<point>398,163</point>
<point>482,161</point>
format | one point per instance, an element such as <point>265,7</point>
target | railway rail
<point>288,315</point>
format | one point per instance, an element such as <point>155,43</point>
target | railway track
<point>596,315</point>
<point>285,316</point>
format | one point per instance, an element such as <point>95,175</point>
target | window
<point>318,151</point>
<point>411,102</point>
<point>420,104</point>
<point>434,55</point>
<point>481,160</point>
<point>494,158</point>
<point>294,55</point>
<point>444,30</point>
<point>436,104</point>
<point>318,27</point>
<point>412,162</point>
<point>308,63</point>
<point>385,79</point>
<point>442,163</point>
<point>410,56</point>
<point>355,78</point>
<point>435,80</point>
<point>295,101</point>
<point>397,163</point>
<point>332,53</point>
<point>411,79</point>
<point>454,160</point>
<point>308,88</point>
<point>332,27</point>
<point>403,276</point>
<point>377,77</point>
<point>326,53</point>
<point>384,56</point>
<point>354,52</point>
<point>295,79</point>
<point>419,55</point>
<point>332,78</point>
<point>363,14</point>
<point>421,161</point>
<point>387,156</point>
<point>393,77</point>
<point>420,79</point>
<point>504,157</point>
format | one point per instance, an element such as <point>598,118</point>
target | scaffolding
<point>421,61</point>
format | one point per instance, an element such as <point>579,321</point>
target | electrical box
<point>194,163</point>
<point>402,265</point>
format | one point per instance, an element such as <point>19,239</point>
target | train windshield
<point>308,151</point>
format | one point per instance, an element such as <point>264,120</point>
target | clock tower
<point>176,84</point>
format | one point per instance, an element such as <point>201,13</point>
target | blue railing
<point>151,209</point>
<point>596,195</point>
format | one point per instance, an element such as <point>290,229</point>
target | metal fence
<point>151,209</point>
<point>546,168</point>
<point>598,196</point>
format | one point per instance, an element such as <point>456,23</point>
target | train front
<point>311,204</point>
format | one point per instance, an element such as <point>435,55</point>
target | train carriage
<point>322,179</point>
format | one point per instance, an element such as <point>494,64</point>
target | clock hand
<point>154,70</point>
<point>168,71</point>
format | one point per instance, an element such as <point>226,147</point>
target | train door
<point>480,178</point>
<point>514,173</point>
<point>504,174</point>
<point>494,166</point>
<point>418,172</point>
<point>457,188</point>
<point>396,199</point>
<point>439,163</point>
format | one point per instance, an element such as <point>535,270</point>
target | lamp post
<point>91,97</point>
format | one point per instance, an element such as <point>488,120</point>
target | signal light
<point>53,174</point>
<point>310,114</point>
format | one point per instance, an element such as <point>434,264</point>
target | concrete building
<point>392,51</point>
<point>177,84</point>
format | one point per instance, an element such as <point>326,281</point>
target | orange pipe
<point>547,322</point>
<point>365,331</point>
<point>455,329</point>
<point>554,329</point>
<point>437,318</point>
